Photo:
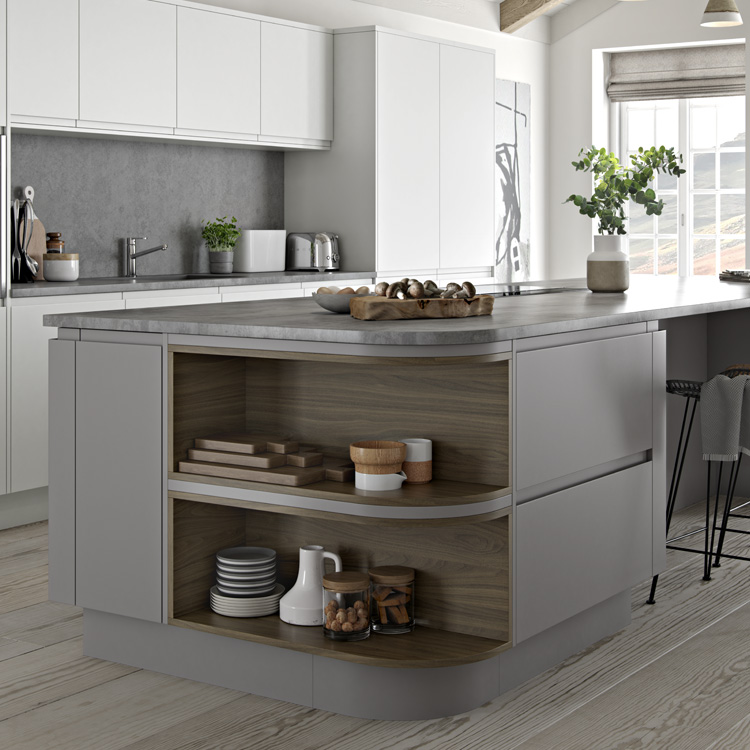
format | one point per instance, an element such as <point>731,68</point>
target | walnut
<point>347,627</point>
<point>341,616</point>
<point>336,626</point>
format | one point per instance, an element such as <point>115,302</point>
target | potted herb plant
<point>221,236</point>
<point>608,267</point>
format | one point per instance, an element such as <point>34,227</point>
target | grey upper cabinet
<point>43,59</point>
<point>118,478</point>
<point>218,73</point>
<point>128,51</point>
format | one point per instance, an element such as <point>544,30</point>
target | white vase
<point>608,267</point>
<point>303,604</point>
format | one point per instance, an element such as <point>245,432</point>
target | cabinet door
<point>28,386</point>
<point>582,405</point>
<point>467,156</point>
<point>172,298</point>
<point>43,58</point>
<point>218,72</point>
<point>128,62</point>
<point>119,478</point>
<point>577,548</point>
<point>296,83</point>
<point>408,154</point>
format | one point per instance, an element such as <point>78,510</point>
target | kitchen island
<point>548,423</point>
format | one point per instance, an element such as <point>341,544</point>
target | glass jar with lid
<point>392,599</point>
<point>346,606</point>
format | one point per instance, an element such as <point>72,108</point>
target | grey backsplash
<point>98,191</point>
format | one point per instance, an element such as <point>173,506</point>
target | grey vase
<point>221,262</point>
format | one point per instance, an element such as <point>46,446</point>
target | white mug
<point>378,482</point>
<point>418,462</point>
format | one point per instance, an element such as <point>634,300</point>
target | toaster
<point>309,251</point>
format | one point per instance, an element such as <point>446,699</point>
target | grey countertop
<point>178,281</point>
<point>649,298</point>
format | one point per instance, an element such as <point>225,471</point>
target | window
<point>702,228</point>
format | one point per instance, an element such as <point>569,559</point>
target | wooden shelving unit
<point>462,559</point>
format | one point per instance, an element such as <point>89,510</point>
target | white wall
<point>518,59</point>
<point>656,22</point>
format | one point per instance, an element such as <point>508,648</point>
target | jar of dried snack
<point>346,606</point>
<point>392,608</point>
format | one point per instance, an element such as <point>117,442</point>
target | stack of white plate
<point>236,606</point>
<point>246,582</point>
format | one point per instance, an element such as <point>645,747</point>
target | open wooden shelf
<point>439,492</point>
<point>422,648</point>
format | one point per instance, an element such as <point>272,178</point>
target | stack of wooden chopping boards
<point>255,459</point>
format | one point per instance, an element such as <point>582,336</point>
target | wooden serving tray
<point>293,476</point>
<point>382,308</point>
<point>255,460</point>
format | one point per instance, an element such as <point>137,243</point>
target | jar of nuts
<point>392,599</point>
<point>346,606</point>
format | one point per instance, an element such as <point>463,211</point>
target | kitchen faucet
<point>131,254</point>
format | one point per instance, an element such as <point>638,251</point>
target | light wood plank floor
<point>677,678</point>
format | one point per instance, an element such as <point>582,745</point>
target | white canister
<point>60,266</point>
<point>259,250</point>
<point>378,482</point>
<point>418,461</point>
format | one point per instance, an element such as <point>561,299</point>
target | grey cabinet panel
<point>119,478</point>
<point>582,405</point>
<point>62,474</point>
<point>581,546</point>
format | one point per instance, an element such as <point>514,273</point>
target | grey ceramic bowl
<point>336,303</point>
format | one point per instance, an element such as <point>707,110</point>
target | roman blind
<point>718,70</point>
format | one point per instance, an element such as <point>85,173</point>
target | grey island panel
<point>648,299</point>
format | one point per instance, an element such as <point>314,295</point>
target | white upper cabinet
<point>43,58</point>
<point>128,51</point>
<point>467,157</point>
<point>296,83</point>
<point>218,72</point>
<point>408,153</point>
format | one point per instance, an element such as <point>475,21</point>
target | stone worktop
<point>147,283</point>
<point>648,299</point>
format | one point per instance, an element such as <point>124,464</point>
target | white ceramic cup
<point>417,449</point>
<point>378,482</point>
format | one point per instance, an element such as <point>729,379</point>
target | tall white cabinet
<point>409,182</point>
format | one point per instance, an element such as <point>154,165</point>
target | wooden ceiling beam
<point>517,13</point>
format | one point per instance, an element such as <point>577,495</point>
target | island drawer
<point>578,547</point>
<point>582,405</point>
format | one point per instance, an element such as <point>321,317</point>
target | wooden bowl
<point>378,456</point>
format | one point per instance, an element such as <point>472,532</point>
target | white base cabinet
<point>29,382</point>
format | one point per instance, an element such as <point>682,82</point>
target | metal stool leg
<point>679,462</point>
<point>727,510</point>
<point>710,545</point>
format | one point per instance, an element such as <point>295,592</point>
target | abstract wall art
<point>512,180</point>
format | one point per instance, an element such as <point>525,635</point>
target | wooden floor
<point>678,678</point>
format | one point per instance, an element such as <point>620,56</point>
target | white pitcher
<point>303,604</point>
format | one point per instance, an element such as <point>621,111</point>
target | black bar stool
<point>690,390</point>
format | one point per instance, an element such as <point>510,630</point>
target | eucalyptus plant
<point>221,235</point>
<point>616,184</point>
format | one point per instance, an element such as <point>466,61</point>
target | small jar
<point>346,606</point>
<point>392,599</point>
<point>55,243</point>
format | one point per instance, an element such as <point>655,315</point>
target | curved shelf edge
<point>447,502</point>
<point>415,650</point>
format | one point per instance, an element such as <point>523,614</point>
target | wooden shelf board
<point>422,648</point>
<point>439,492</point>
